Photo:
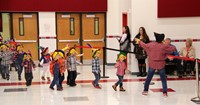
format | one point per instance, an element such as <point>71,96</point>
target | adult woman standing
<point>140,52</point>
<point>125,39</point>
<point>189,52</point>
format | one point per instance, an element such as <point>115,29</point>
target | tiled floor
<point>14,92</point>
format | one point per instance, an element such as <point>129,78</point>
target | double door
<point>81,29</point>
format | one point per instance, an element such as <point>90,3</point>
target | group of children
<point>55,63</point>
<point>12,54</point>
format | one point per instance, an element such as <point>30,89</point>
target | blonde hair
<point>121,56</point>
<point>189,40</point>
<point>59,53</point>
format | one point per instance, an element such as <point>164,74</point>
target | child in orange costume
<point>57,69</point>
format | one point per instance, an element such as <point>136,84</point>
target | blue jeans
<point>61,78</point>
<point>120,81</point>
<point>19,69</point>
<point>97,78</point>
<point>150,76</point>
<point>56,76</point>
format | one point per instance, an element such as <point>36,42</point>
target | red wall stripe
<point>48,37</point>
<point>53,5</point>
<point>178,8</point>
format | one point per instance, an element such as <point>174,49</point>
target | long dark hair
<point>128,33</point>
<point>144,32</point>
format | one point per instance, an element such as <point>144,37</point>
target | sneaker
<point>42,78</point>
<point>3,77</point>
<point>27,84</point>
<point>98,87</point>
<point>72,85</point>
<point>67,82</point>
<point>59,89</point>
<point>19,78</point>
<point>51,88</point>
<point>48,79</point>
<point>165,95</point>
<point>93,83</point>
<point>180,76</point>
<point>40,65</point>
<point>145,93</point>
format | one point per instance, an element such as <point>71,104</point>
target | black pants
<point>175,64</point>
<point>188,66</point>
<point>5,71</point>
<point>141,61</point>
<point>61,78</point>
<point>68,76</point>
<point>28,77</point>
<point>13,65</point>
<point>72,78</point>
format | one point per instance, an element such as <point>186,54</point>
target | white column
<point>113,24</point>
<point>47,28</point>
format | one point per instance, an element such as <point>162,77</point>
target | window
<point>72,26</point>
<point>96,26</point>
<point>21,26</point>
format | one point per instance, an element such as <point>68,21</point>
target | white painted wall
<point>114,24</point>
<point>47,27</point>
<point>144,13</point>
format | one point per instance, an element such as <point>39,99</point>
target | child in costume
<point>57,69</point>
<point>46,58</point>
<point>28,65</point>
<point>71,67</point>
<point>6,56</point>
<point>96,67</point>
<point>157,52</point>
<point>18,59</point>
<point>13,45</point>
<point>96,70</point>
<point>121,67</point>
<point>13,48</point>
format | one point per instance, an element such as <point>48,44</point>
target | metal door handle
<point>70,40</point>
<point>25,41</point>
<point>94,40</point>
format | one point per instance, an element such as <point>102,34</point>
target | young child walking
<point>71,67</point>
<point>18,59</point>
<point>28,65</point>
<point>57,69</point>
<point>121,67</point>
<point>96,70</point>
<point>6,56</point>
<point>45,58</point>
<point>13,49</point>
